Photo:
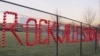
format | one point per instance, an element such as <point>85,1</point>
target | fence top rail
<point>41,11</point>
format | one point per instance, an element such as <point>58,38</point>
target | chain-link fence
<point>26,31</point>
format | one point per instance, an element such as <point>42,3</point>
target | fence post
<point>57,31</point>
<point>80,38</point>
<point>96,41</point>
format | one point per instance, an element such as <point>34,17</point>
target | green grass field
<point>13,48</point>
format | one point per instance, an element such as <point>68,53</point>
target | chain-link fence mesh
<point>42,36</point>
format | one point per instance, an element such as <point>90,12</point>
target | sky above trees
<point>73,9</point>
